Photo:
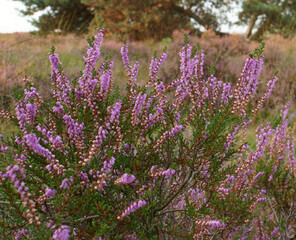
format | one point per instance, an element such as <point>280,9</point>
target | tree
<point>155,18</point>
<point>63,15</point>
<point>132,19</point>
<point>268,16</point>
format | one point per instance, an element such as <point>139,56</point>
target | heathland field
<point>24,55</point>
<point>186,138</point>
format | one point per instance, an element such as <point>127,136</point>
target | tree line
<point>157,19</point>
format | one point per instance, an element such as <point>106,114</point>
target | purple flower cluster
<point>18,234</point>
<point>12,174</point>
<point>132,208</point>
<point>102,134</point>
<point>63,233</point>
<point>16,176</point>
<point>57,143</point>
<point>62,88</point>
<point>229,140</point>
<point>138,107</point>
<point>92,55</point>
<point>102,175</point>
<point>115,112</point>
<point>75,131</point>
<point>175,130</point>
<point>247,85</point>
<point>155,65</point>
<point>125,179</point>
<point>132,72</point>
<point>215,224</point>
<point>49,193</point>
<point>262,138</point>
<point>33,142</point>
<point>168,172</point>
<point>66,183</point>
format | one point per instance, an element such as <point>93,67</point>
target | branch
<point>176,194</point>
<point>190,14</point>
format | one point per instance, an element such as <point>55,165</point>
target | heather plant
<point>227,55</point>
<point>155,161</point>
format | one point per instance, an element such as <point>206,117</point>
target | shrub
<point>153,162</point>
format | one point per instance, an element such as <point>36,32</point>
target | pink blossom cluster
<point>132,208</point>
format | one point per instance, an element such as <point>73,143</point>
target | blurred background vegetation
<point>157,19</point>
<point>151,25</point>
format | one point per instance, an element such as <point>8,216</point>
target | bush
<point>153,162</point>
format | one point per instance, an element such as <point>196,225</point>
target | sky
<point>11,20</point>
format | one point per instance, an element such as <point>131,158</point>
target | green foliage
<point>64,16</point>
<point>269,16</point>
<point>136,20</point>
<point>257,51</point>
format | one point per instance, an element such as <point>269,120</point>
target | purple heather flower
<point>275,232</point>
<point>50,225</point>
<point>124,52</point>
<point>105,80</point>
<point>270,85</point>
<point>58,109</point>
<point>84,176</point>
<point>151,117</point>
<point>100,137</point>
<point>127,146</point>
<point>62,89</point>
<point>225,92</point>
<point>31,110</point>
<point>131,72</point>
<point>285,111</point>
<point>108,165</point>
<point>65,183</point>
<point>181,204</point>
<point>132,208</point>
<point>291,151</point>
<point>3,149</point>
<point>230,138</point>
<point>56,141</point>
<point>75,129</point>
<point>247,84</point>
<point>273,172</point>
<point>138,104</point>
<point>155,65</point>
<point>175,130</point>
<point>86,81</point>
<point>262,138</point>
<point>54,60</point>
<point>21,115</point>
<point>49,193</point>
<point>224,190</point>
<point>215,224</point>
<point>260,174</point>
<point>30,94</point>
<point>115,111</point>
<point>18,234</point>
<point>48,167</point>
<point>125,179</point>
<point>62,233</point>
<point>168,172</point>
<point>33,142</point>
<point>135,71</point>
